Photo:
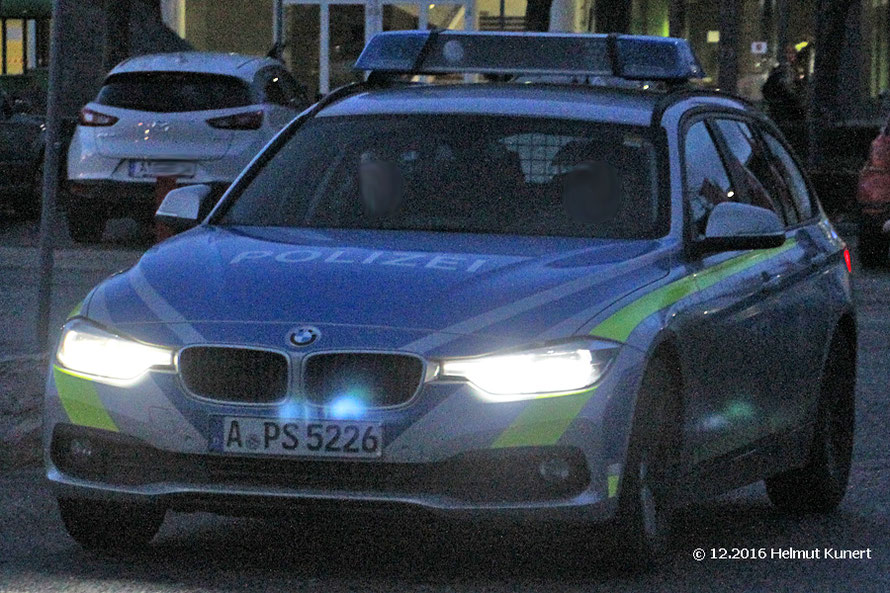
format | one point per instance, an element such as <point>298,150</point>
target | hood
<point>408,283</point>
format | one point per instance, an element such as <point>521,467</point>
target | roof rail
<point>631,57</point>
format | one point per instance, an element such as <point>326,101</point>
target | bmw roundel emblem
<point>303,336</point>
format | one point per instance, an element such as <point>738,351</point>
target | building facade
<point>738,41</point>
<point>763,32</point>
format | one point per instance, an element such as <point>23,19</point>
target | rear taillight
<point>88,117</point>
<point>848,259</point>
<point>249,120</point>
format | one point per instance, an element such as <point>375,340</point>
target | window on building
<point>707,180</point>
<point>24,45</point>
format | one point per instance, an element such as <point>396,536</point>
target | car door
<point>727,341</point>
<point>804,293</point>
<point>791,294</point>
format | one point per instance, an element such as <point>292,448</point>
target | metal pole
<point>117,32</point>
<point>782,20</point>
<point>278,28</point>
<point>62,9</point>
<point>728,77</point>
<point>423,18</point>
<point>324,48</point>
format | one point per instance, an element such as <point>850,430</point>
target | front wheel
<point>820,485</point>
<point>109,526</point>
<point>644,509</point>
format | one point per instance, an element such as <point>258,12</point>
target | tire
<point>108,526</point>
<point>873,248</point>
<point>644,511</point>
<point>86,226</point>
<point>820,485</point>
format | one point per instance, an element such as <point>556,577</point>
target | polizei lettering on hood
<point>333,256</point>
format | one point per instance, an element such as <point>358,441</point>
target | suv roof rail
<point>631,57</point>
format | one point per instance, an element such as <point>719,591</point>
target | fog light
<point>555,470</point>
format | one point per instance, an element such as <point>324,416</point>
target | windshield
<point>475,174</point>
<point>169,92</point>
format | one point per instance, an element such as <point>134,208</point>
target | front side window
<point>459,173</point>
<point>707,180</point>
<point>761,183</point>
<point>797,185</point>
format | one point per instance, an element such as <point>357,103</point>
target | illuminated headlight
<point>90,350</point>
<point>560,369</point>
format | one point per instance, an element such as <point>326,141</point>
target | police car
<point>581,292</point>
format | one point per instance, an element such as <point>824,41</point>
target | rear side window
<point>707,181</point>
<point>169,92</point>
<point>800,193</point>
<point>754,169</point>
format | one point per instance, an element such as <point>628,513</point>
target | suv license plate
<point>162,169</point>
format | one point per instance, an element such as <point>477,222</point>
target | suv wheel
<point>873,247</point>
<point>109,526</point>
<point>820,485</point>
<point>86,225</point>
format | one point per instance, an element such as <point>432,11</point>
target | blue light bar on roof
<point>446,52</point>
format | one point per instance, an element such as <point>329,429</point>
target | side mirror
<point>181,208</point>
<point>733,226</point>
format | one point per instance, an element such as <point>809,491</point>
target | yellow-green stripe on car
<point>81,400</point>
<point>544,421</point>
<point>622,323</point>
<point>76,310</point>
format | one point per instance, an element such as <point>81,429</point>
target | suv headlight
<point>88,349</point>
<point>560,369</point>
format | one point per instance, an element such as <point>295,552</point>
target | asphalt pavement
<point>400,552</point>
<point>77,269</point>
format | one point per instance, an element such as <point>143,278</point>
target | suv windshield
<point>460,173</point>
<point>168,92</point>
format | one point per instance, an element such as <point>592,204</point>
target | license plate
<point>162,169</point>
<point>302,438</point>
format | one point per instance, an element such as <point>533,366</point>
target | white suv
<point>193,117</point>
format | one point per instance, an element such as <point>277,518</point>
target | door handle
<point>770,283</point>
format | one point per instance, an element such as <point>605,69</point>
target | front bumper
<point>447,450</point>
<point>503,483</point>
